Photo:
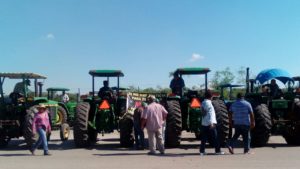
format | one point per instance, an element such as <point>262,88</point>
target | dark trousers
<point>207,132</point>
<point>243,130</point>
<point>139,136</point>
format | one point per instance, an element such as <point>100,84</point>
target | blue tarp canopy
<point>270,74</point>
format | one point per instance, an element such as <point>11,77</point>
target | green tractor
<point>18,108</point>
<point>103,115</point>
<point>184,112</point>
<point>70,106</point>
<point>274,114</point>
<point>230,94</point>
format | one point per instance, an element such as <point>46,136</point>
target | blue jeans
<point>139,136</point>
<point>42,140</point>
<point>243,130</point>
<point>207,132</point>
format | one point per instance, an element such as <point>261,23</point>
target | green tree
<point>241,75</point>
<point>222,77</point>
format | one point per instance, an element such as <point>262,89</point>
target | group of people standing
<point>152,118</point>
<point>241,118</point>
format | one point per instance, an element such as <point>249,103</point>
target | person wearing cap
<point>153,118</point>
<point>138,132</point>
<point>19,87</point>
<point>177,84</point>
<point>209,125</point>
<point>241,114</point>
<point>41,126</point>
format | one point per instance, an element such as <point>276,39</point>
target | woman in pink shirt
<point>41,125</point>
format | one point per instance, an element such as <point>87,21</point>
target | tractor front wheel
<point>174,124</point>
<point>222,121</point>
<point>126,130</point>
<point>27,130</point>
<point>81,137</point>
<point>263,125</point>
<point>292,133</point>
<point>64,132</point>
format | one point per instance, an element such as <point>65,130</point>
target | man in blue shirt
<point>241,114</point>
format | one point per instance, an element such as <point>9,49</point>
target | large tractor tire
<point>93,134</point>
<point>4,141</point>
<point>81,137</point>
<point>263,125</point>
<point>64,132</point>
<point>173,124</point>
<point>222,121</point>
<point>27,129</point>
<point>292,133</point>
<point>62,116</point>
<point>126,130</point>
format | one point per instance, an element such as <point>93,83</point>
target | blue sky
<point>64,39</point>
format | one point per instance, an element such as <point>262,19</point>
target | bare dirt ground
<point>107,154</point>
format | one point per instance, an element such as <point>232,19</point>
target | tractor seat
<point>192,93</point>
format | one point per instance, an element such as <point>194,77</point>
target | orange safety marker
<point>104,105</point>
<point>195,103</point>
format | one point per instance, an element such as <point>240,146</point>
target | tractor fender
<point>38,101</point>
<point>63,106</point>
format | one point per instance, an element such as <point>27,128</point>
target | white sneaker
<point>220,153</point>
<point>203,154</point>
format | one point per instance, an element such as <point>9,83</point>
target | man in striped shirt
<point>241,114</point>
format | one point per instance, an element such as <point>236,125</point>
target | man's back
<point>154,115</point>
<point>104,91</point>
<point>177,84</point>
<point>241,110</point>
<point>19,87</point>
<point>210,116</point>
<point>137,115</point>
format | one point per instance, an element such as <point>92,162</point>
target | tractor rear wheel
<point>81,137</point>
<point>64,132</point>
<point>222,121</point>
<point>126,130</point>
<point>4,142</point>
<point>27,130</point>
<point>93,134</point>
<point>62,116</point>
<point>173,124</point>
<point>292,133</point>
<point>263,125</point>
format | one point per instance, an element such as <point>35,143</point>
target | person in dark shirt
<point>177,84</point>
<point>275,91</point>
<point>19,87</point>
<point>105,91</point>
<point>138,132</point>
